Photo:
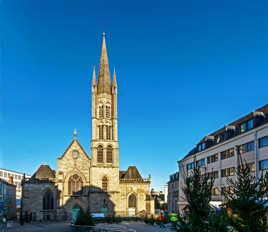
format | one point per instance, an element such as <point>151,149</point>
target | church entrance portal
<point>75,211</point>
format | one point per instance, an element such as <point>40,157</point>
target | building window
<point>250,165</point>
<point>104,183</point>
<point>200,163</point>
<point>212,158</point>
<point>250,124</point>
<point>75,184</point>
<point>5,174</point>
<point>100,111</point>
<point>264,164</point>
<point>263,142</point>
<point>201,147</point>
<point>214,174</point>
<point>246,147</point>
<point>48,200</point>
<point>228,172</point>
<point>190,166</point>
<point>227,154</point>
<point>222,136</point>
<point>132,201</point>
<point>215,191</point>
<point>100,154</point>
<point>109,158</point>
<point>101,132</point>
<point>246,126</point>
<point>108,111</point>
<point>1,173</point>
<point>226,189</point>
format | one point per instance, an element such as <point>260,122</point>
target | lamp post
<point>21,200</point>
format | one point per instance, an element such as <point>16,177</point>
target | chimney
<point>11,180</point>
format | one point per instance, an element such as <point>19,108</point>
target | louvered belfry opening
<point>100,154</point>
<point>109,154</point>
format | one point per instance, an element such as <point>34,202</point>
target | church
<point>92,182</point>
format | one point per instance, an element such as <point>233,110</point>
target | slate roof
<point>44,172</point>
<point>234,124</point>
<point>131,173</point>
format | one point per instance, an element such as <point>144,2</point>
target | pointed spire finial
<point>75,133</point>
<point>104,81</point>
<point>94,77</point>
<point>114,79</point>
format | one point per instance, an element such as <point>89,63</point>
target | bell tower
<point>104,141</point>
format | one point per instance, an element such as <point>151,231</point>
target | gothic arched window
<point>75,184</point>
<point>109,153</point>
<point>132,201</point>
<point>108,111</point>
<point>100,154</point>
<point>101,112</point>
<point>104,183</point>
<point>48,200</point>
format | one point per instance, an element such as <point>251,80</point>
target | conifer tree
<point>246,198</point>
<point>200,218</point>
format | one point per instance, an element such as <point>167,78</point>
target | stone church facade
<point>94,182</point>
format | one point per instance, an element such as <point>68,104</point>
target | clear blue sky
<point>184,69</point>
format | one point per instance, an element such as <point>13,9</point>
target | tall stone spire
<point>104,80</point>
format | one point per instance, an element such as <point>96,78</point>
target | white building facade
<point>16,178</point>
<point>220,153</point>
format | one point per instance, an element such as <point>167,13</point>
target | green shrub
<point>117,219</point>
<point>84,218</point>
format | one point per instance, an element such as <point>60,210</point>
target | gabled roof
<point>69,147</point>
<point>131,173</point>
<point>44,172</point>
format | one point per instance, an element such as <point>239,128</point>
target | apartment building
<point>15,178</point>
<point>219,152</point>
<point>173,193</point>
<point>7,199</point>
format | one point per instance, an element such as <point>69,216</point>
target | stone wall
<point>140,190</point>
<point>33,199</point>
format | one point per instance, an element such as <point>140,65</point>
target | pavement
<point>65,227</point>
<point>37,227</point>
<point>134,227</point>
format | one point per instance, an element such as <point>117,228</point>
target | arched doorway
<point>132,204</point>
<point>48,204</point>
<point>75,212</point>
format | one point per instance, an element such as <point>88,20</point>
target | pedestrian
<point>160,218</point>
